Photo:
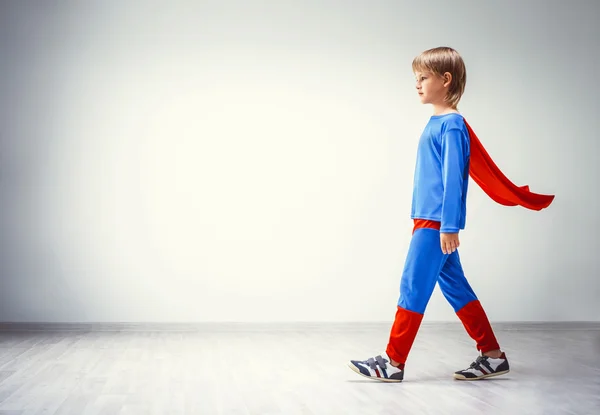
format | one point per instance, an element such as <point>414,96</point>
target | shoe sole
<point>355,369</point>
<point>490,375</point>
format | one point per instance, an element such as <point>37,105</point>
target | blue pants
<point>427,265</point>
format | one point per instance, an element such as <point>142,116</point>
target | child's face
<point>430,87</point>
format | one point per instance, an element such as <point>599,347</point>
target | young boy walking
<point>448,153</point>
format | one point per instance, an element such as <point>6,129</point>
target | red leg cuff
<point>403,333</point>
<point>478,326</point>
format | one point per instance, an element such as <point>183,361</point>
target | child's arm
<point>453,174</point>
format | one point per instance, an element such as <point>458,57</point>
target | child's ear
<point>447,79</point>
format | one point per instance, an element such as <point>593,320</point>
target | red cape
<point>492,181</point>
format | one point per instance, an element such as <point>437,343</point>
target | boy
<point>448,152</point>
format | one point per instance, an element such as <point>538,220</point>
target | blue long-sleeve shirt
<point>442,173</point>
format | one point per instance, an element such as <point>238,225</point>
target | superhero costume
<point>448,153</point>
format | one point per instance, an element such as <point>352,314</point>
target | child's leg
<point>463,300</point>
<point>456,289</point>
<point>424,261</point>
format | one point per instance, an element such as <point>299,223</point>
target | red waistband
<point>424,223</point>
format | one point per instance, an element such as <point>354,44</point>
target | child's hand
<point>449,242</point>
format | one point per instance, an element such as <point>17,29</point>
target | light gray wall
<point>253,161</point>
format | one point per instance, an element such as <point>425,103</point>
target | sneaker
<point>484,367</point>
<point>377,368</point>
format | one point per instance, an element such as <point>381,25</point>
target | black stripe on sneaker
<point>487,366</point>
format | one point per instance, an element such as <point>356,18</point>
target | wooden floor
<point>298,369</point>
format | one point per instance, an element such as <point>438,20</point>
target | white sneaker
<point>484,367</point>
<point>377,368</point>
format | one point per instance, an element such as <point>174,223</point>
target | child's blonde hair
<point>439,61</point>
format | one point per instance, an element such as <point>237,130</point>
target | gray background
<point>252,161</point>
